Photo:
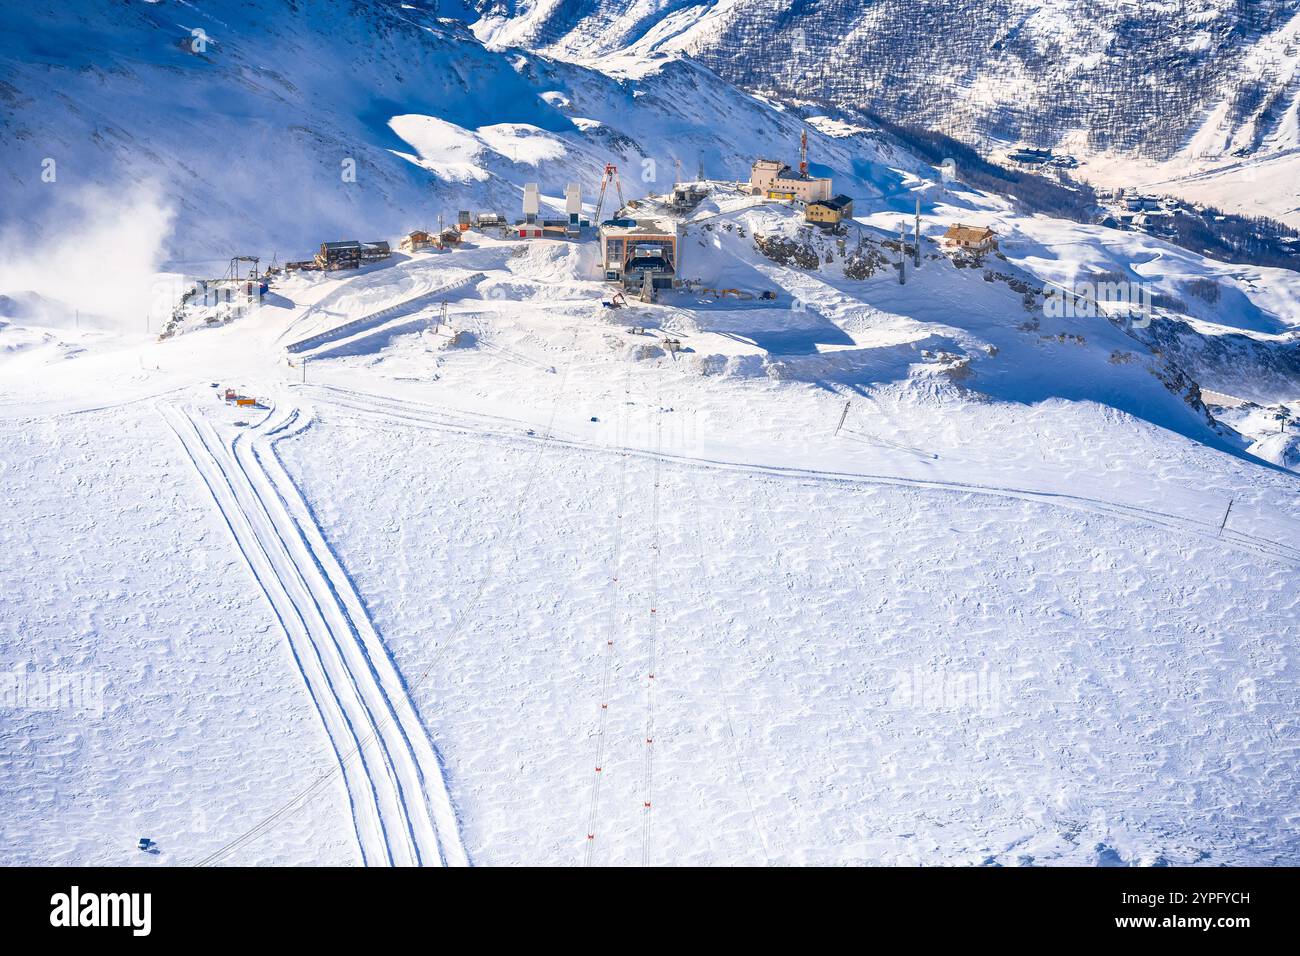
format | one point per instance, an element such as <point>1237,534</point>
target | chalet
<point>829,212</point>
<point>976,239</point>
<point>350,254</point>
<point>416,241</point>
<point>339,255</point>
<point>776,180</point>
<point>375,251</point>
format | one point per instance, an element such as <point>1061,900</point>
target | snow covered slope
<point>845,670</point>
<point>827,568</point>
<point>264,127</point>
<point>983,612</point>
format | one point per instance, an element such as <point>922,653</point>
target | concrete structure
<point>829,212</point>
<point>977,239</point>
<point>776,180</point>
<point>631,249</point>
<point>532,202</point>
<point>573,208</point>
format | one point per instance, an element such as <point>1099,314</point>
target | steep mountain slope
<point>1216,75</point>
<point>271,125</point>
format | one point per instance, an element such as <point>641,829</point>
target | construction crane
<point>803,155</point>
<point>611,173</point>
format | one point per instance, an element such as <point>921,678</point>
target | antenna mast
<point>917,260</point>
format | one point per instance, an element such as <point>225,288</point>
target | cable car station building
<point>631,248</point>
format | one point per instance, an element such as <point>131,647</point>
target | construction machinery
<point>610,175</point>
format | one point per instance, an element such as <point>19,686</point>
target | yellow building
<point>830,212</point>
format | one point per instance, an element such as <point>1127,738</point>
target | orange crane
<point>611,173</point>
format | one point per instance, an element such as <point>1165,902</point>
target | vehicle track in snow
<point>487,426</point>
<point>397,794</point>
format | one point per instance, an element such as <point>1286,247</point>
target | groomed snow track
<point>398,798</point>
<point>496,428</point>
